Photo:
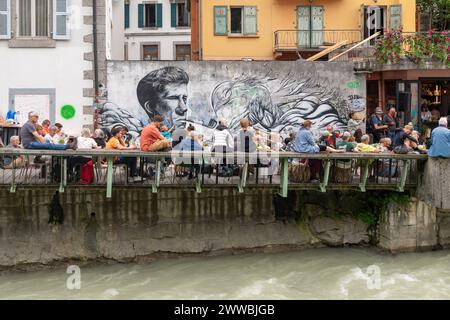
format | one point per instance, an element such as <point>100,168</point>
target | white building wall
<point>117,30</point>
<point>166,36</point>
<point>60,68</point>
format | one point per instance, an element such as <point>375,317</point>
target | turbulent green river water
<point>313,274</point>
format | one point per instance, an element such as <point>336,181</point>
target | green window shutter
<point>395,17</point>
<point>140,15</point>
<point>250,21</point>
<point>173,15</point>
<point>5,19</point>
<point>159,15</point>
<point>220,20</point>
<point>127,15</point>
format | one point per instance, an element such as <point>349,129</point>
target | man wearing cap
<point>33,140</point>
<point>378,125</point>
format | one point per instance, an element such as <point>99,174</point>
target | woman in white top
<point>222,140</point>
<point>85,141</point>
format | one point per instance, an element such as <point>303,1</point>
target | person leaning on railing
<point>116,143</point>
<point>31,139</point>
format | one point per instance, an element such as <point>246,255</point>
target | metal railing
<point>313,39</point>
<point>197,170</point>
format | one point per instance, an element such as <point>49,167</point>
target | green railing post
<point>198,181</point>
<point>324,183</point>
<point>13,182</point>
<point>364,175</point>
<point>402,182</point>
<point>109,177</point>
<point>155,182</point>
<point>62,183</point>
<point>284,178</point>
<point>243,178</point>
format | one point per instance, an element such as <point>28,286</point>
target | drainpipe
<point>200,50</point>
<point>94,33</point>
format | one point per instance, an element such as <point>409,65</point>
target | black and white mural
<point>274,96</point>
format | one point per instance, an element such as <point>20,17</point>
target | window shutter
<point>140,15</point>
<point>127,15</point>
<point>5,19</point>
<point>220,20</point>
<point>173,15</point>
<point>61,30</point>
<point>395,13</point>
<point>159,15</point>
<point>250,22</point>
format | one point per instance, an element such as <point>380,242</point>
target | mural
<point>273,100</point>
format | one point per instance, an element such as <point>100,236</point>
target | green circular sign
<point>67,111</point>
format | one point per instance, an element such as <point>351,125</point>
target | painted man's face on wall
<point>172,104</point>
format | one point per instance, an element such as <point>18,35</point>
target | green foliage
<point>378,203</point>
<point>391,46</point>
<point>440,11</point>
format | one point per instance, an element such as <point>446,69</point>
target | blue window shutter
<point>140,15</point>
<point>220,20</point>
<point>127,15</point>
<point>159,15</point>
<point>173,15</point>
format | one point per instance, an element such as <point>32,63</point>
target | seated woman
<point>304,143</point>
<point>116,143</point>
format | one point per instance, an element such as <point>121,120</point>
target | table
<point>9,131</point>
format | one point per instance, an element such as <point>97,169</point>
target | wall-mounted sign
<point>67,111</point>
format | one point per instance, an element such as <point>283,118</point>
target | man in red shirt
<point>151,137</point>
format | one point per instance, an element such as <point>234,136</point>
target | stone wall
<point>137,224</point>
<point>435,185</point>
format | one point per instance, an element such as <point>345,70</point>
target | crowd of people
<point>383,136</point>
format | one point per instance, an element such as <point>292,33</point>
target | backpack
<point>87,173</point>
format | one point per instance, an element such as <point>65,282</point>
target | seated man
<point>151,137</point>
<point>31,139</point>
<point>19,161</point>
<point>440,140</point>
<point>116,143</point>
<point>304,143</point>
<point>365,147</point>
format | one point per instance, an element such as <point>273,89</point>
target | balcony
<point>309,40</point>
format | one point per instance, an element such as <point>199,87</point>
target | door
<point>407,102</point>
<point>303,26</point>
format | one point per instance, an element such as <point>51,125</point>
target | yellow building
<point>278,29</point>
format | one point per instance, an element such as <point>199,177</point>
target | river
<point>342,273</point>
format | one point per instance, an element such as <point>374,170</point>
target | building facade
<point>153,30</point>
<point>279,29</point>
<point>48,62</point>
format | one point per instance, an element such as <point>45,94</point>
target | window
<point>236,20</point>
<point>150,52</point>
<point>243,20</point>
<point>183,52</point>
<point>33,18</point>
<point>180,16</point>
<point>5,19</point>
<point>150,15</point>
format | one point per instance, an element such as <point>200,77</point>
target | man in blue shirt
<point>440,140</point>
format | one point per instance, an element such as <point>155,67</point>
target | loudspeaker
<point>404,101</point>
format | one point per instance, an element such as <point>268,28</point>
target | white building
<point>47,60</point>
<point>154,30</point>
